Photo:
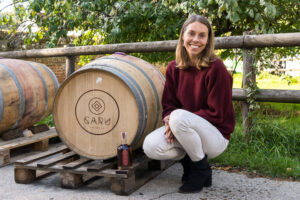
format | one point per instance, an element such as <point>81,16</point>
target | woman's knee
<point>179,120</point>
<point>148,145</point>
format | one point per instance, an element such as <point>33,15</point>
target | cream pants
<point>194,136</point>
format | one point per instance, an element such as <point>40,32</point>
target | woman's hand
<point>168,133</point>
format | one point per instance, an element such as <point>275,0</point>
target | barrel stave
<point>11,101</point>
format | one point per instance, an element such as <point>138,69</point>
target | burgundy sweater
<point>206,92</point>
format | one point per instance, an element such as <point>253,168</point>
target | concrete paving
<point>225,186</point>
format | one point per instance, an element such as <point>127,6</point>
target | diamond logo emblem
<point>96,106</point>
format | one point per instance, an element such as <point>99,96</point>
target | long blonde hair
<point>206,56</point>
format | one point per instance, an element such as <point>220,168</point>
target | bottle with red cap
<point>124,153</point>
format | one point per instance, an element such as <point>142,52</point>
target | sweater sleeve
<point>219,96</point>
<point>170,101</point>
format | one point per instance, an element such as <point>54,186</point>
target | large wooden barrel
<point>27,91</point>
<point>107,96</point>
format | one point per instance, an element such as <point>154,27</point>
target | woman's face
<point>195,39</point>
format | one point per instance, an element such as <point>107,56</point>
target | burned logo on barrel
<point>92,112</point>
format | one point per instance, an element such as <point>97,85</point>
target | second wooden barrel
<point>27,91</point>
<point>104,98</point>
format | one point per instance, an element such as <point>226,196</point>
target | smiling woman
<point>195,39</point>
<point>197,107</point>
<point>196,43</point>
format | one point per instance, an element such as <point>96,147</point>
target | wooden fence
<point>246,42</point>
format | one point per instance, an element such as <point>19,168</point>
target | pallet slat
<point>18,142</point>
<point>83,171</point>
<point>33,158</point>
<point>77,163</point>
<point>52,161</point>
<point>100,166</point>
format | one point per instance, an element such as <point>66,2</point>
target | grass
<point>273,149</point>
<point>269,81</point>
<point>47,120</point>
<point>274,146</point>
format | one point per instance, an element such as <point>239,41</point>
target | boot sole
<point>207,183</point>
<point>189,192</point>
<point>193,191</point>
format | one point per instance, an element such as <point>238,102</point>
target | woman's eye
<point>202,35</point>
<point>191,33</point>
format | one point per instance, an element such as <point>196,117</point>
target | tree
<point>118,21</point>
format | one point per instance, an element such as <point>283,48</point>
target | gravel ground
<point>225,186</point>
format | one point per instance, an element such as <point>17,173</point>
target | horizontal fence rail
<point>269,95</point>
<point>245,41</point>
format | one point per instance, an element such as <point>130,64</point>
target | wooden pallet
<point>75,170</point>
<point>40,142</point>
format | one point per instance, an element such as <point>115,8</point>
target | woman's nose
<point>198,39</point>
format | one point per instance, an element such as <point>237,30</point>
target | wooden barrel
<point>109,95</point>
<point>27,91</point>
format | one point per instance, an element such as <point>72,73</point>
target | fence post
<point>248,67</point>
<point>70,62</point>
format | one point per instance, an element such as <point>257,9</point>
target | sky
<point>4,3</point>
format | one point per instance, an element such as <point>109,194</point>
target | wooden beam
<point>160,46</point>
<point>268,95</point>
<point>248,78</point>
<point>229,42</point>
<point>272,40</point>
<point>247,41</point>
<point>70,65</point>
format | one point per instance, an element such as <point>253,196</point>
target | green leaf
<point>251,13</point>
<point>262,2</point>
<point>252,2</point>
<point>235,17</point>
<point>210,2</point>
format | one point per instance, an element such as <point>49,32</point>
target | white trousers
<point>194,136</point>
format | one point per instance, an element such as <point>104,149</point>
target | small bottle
<point>124,153</point>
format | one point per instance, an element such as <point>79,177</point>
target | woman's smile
<point>195,39</point>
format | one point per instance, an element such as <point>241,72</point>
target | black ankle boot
<point>200,176</point>
<point>186,167</point>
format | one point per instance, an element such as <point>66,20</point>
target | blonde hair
<point>206,56</point>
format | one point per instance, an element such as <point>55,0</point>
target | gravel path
<point>225,186</point>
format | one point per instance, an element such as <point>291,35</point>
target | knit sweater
<point>206,92</point>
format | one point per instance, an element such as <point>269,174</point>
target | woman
<point>197,107</point>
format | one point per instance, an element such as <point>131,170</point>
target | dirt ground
<point>226,185</point>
